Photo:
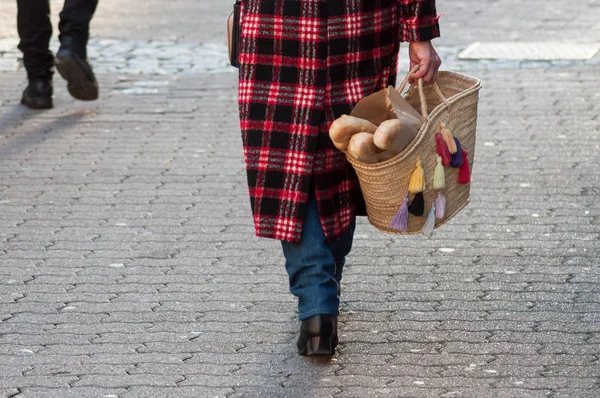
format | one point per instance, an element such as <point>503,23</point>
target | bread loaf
<point>344,127</point>
<point>362,148</point>
<point>387,135</point>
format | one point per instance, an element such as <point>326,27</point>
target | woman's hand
<point>423,53</point>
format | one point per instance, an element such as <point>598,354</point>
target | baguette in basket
<point>379,127</point>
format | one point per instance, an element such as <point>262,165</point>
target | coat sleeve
<point>418,20</point>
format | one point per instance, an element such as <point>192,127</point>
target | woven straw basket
<point>453,101</point>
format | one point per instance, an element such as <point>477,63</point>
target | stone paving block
<point>192,347</point>
<point>184,369</point>
<point>14,371</point>
<point>9,391</point>
<point>438,382</point>
<point>127,381</point>
<point>39,358</point>
<point>566,307</point>
<point>538,337</point>
<point>390,326</point>
<point>135,358</point>
<point>391,370</point>
<point>237,358</point>
<point>493,370</point>
<point>492,348</point>
<point>579,327</point>
<point>514,391</point>
<point>297,381</point>
<point>53,381</point>
<point>535,316</point>
<point>78,369</point>
<point>548,382</point>
<point>57,318</point>
<point>279,391</point>
<point>72,392</point>
<point>233,381</point>
<point>480,305</point>
<point>254,316</point>
<point>489,326</point>
<point>569,349</point>
<point>357,392</point>
<point>46,338</point>
<point>90,349</point>
<point>439,359</point>
<point>116,288</point>
<point>437,315</point>
<point>144,317</point>
<point>544,360</point>
<point>356,348</point>
<point>178,392</point>
<point>591,370</point>
<point>576,393</point>
<point>440,336</point>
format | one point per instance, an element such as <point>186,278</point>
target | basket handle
<point>422,97</point>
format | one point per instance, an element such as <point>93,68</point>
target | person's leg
<point>311,268</point>
<point>71,58</point>
<point>340,249</point>
<point>74,24</point>
<point>35,30</point>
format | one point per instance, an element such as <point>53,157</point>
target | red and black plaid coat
<point>303,63</point>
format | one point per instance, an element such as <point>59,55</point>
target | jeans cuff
<point>318,311</point>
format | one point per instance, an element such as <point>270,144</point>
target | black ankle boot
<point>318,335</point>
<point>38,94</point>
<point>73,66</point>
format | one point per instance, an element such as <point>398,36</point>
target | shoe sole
<point>79,86</point>
<point>38,103</point>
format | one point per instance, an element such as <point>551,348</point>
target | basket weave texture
<point>385,184</point>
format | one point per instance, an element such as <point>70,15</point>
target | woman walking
<point>304,63</point>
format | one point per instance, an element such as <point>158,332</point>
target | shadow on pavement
<point>18,115</point>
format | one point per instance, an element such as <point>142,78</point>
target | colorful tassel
<point>464,175</point>
<point>439,177</point>
<point>417,206</point>
<point>440,206</point>
<point>400,220</point>
<point>430,222</point>
<point>449,139</point>
<point>417,181</point>
<point>442,149</point>
<point>457,158</point>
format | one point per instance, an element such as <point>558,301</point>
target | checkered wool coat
<point>304,63</point>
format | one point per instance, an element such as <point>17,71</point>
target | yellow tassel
<point>439,178</point>
<point>417,181</point>
<point>449,138</point>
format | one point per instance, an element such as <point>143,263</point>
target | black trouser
<point>35,30</point>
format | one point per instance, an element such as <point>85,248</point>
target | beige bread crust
<point>387,133</point>
<point>344,127</point>
<point>362,148</point>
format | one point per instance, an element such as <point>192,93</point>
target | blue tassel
<point>457,158</point>
<point>400,220</point>
<point>430,222</point>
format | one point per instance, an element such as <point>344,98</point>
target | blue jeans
<point>315,266</point>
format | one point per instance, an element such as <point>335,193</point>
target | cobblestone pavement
<point>128,266</point>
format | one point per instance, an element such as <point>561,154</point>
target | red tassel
<point>464,175</point>
<point>442,149</point>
